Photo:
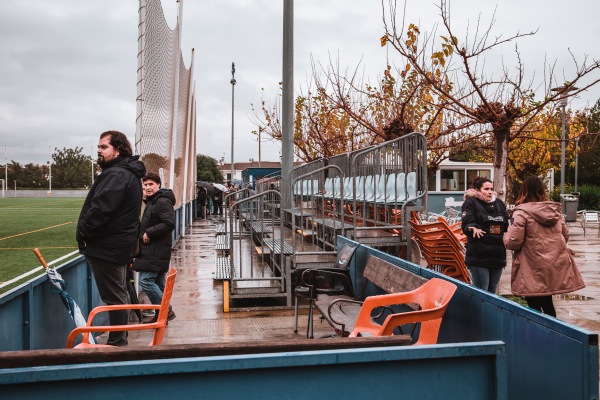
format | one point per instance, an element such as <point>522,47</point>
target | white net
<point>166,112</point>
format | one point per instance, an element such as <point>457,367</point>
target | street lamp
<point>5,170</point>
<point>259,158</point>
<point>49,177</point>
<point>576,160</point>
<point>563,99</point>
<point>93,171</point>
<point>232,81</point>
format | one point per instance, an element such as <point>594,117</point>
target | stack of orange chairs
<point>442,247</point>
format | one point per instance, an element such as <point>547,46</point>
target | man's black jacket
<point>109,219</point>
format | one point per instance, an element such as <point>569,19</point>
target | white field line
<point>33,271</point>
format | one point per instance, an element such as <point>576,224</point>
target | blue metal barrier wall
<point>177,231</point>
<point>33,318</point>
<point>547,358</point>
<point>470,371</point>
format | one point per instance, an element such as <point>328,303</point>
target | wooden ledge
<point>36,358</point>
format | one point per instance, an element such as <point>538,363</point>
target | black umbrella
<point>59,286</point>
<point>210,189</point>
<point>133,297</point>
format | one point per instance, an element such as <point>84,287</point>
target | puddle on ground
<point>576,297</point>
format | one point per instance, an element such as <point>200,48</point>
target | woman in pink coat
<point>542,263</point>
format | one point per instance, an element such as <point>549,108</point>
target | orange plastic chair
<point>159,325</point>
<point>440,246</point>
<point>452,263</point>
<point>433,298</point>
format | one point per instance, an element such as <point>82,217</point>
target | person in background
<point>218,202</point>
<point>107,228</point>
<point>158,222</point>
<point>542,263</point>
<point>484,221</point>
<point>201,202</point>
<point>210,205</point>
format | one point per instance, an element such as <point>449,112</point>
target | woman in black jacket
<point>156,226</point>
<point>484,221</point>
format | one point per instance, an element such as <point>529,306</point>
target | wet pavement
<point>198,301</point>
<point>581,308</point>
<point>198,298</point>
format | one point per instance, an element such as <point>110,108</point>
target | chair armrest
<point>115,307</point>
<point>107,328</point>
<point>364,322</point>
<point>411,317</point>
<point>332,304</point>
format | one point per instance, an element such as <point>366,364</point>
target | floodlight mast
<point>5,186</point>
<point>563,99</point>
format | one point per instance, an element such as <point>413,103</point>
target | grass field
<point>25,223</point>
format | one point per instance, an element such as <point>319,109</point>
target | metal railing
<point>385,179</point>
<point>255,273</point>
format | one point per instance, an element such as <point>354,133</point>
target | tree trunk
<point>500,161</point>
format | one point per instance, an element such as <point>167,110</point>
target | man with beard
<point>108,223</point>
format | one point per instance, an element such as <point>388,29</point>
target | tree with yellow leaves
<point>502,107</point>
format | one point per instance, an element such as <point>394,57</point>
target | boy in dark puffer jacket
<point>156,227</point>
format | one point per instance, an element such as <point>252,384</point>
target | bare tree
<point>501,106</point>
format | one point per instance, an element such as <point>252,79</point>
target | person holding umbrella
<point>217,201</point>
<point>107,228</point>
<point>156,226</point>
<point>201,203</point>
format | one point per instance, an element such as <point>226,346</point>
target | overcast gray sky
<point>68,67</point>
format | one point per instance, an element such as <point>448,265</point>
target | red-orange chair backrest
<point>164,308</point>
<point>435,294</point>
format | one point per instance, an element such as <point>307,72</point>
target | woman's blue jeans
<point>153,284</point>
<point>486,278</point>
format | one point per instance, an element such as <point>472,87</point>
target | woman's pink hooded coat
<point>542,263</point>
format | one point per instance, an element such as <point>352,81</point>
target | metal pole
<point>259,158</point>
<point>562,151</point>
<point>232,114</point>
<point>92,159</point>
<point>49,177</point>
<point>5,168</point>
<point>287,134</point>
<point>576,160</point>
<point>140,79</point>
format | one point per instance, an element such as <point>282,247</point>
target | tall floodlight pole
<point>576,160</point>
<point>50,172</point>
<point>563,104</point>
<point>232,114</point>
<point>287,134</point>
<point>5,171</point>
<point>563,100</point>
<point>49,177</point>
<point>259,158</point>
<point>92,159</point>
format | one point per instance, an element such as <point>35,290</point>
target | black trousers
<point>111,283</point>
<point>543,304</point>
